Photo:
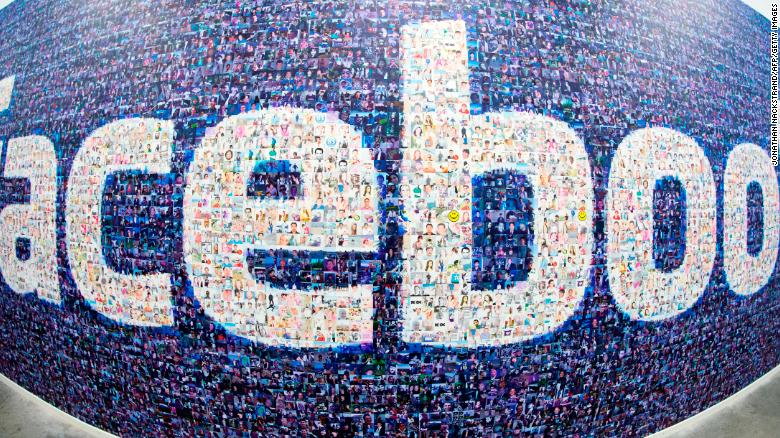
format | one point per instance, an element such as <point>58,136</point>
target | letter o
<point>640,289</point>
<point>746,273</point>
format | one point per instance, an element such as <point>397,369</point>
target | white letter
<point>32,158</point>
<point>134,144</point>
<point>335,213</point>
<point>640,289</point>
<point>445,149</point>
<point>6,91</point>
<point>746,273</point>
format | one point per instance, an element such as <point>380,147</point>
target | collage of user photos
<point>395,218</point>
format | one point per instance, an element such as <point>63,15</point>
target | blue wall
<point>605,68</point>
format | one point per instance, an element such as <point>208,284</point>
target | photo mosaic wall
<point>396,218</point>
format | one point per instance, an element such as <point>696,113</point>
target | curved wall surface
<point>264,218</point>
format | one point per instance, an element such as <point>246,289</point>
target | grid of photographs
<point>381,245</point>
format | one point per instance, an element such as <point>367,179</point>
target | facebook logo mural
<point>421,223</point>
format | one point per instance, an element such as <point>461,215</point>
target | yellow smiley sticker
<point>453,216</point>
<point>582,215</point>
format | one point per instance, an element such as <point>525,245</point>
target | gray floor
<point>23,415</point>
<point>757,416</point>
<point>754,413</point>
